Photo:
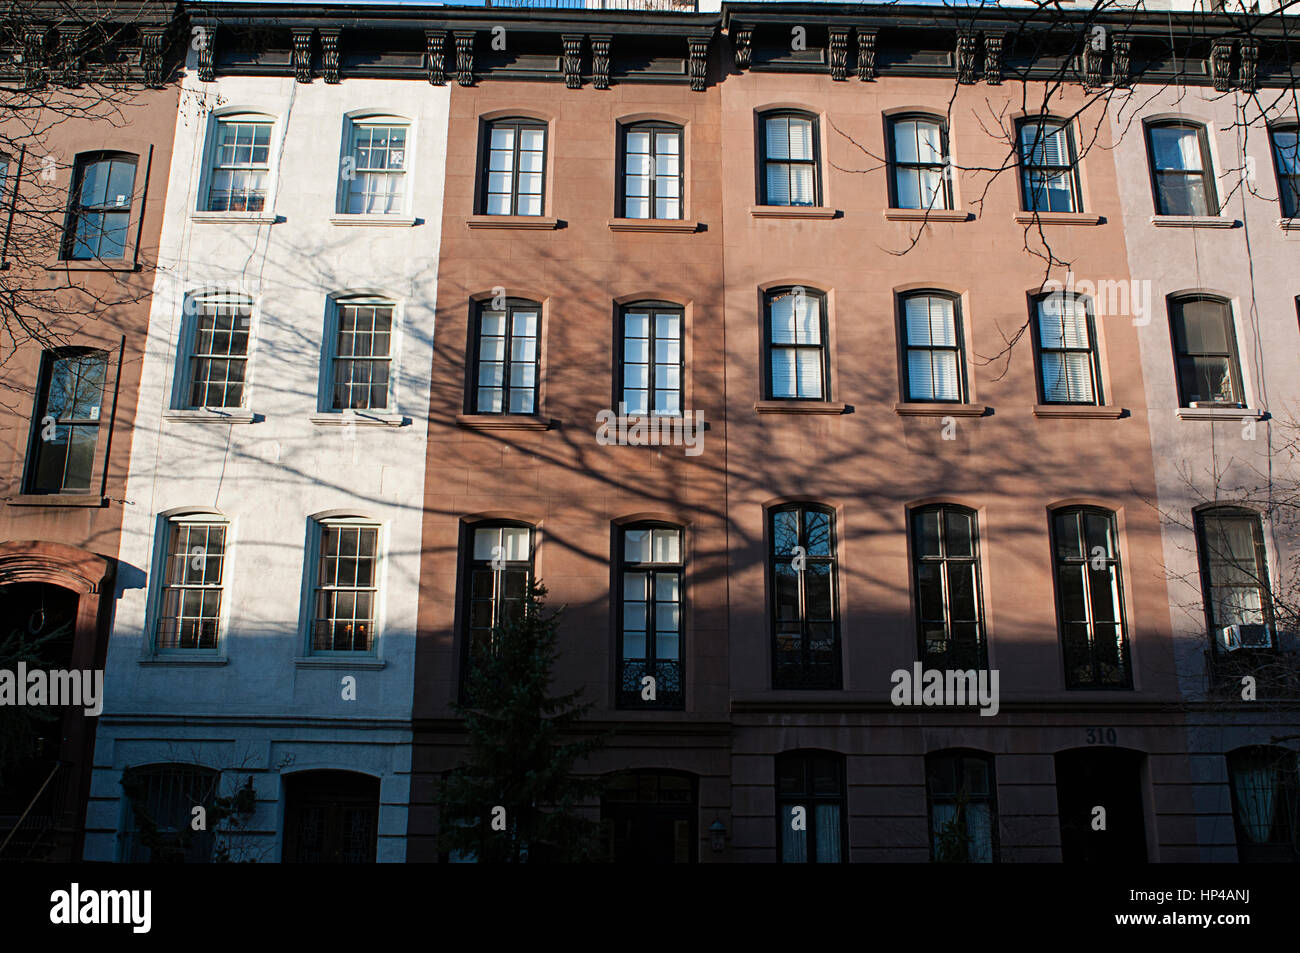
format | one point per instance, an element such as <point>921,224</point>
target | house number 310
<point>1102,736</point>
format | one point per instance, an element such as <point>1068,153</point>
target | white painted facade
<point>262,705</point>
<point>1246,256</point>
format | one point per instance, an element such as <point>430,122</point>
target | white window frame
<point>158,576</point>
<point>352,125</point>
<point>210,157</point>
<point>311,579</point>
<point>329,351</point>
<point>184,376</point>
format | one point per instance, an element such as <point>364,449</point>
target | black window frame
<point>655,309</point>
<point>469,565</point>
<point>769,347</point>
<point>670,692</point>
<point>472,385</point>
<point>1288,184</point>
<point>895,165</point>
<point>76,211</point>
<point>1093,352</point>
<point>40,407</point>
<point>950,658</point>
<point>959,347</point>
<point>806,760</point>
<point>764,161</point>
<point>1281,845</point>
<point>807,674</point>
<point>517,123</point>
<point>1113,562</point>
<point>961,756</point>
<point>1260,571</point>
<point>652,126</point>
<point>1174,306</point>
<point>1027,168</point>
<point>1206,174</point>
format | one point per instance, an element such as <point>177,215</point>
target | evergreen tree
<point>515,798</point>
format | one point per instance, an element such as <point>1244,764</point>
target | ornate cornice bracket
<point>743,39</point>
<point>993,58</point>
<point>465,57</point>
<point>966,57</point>
<point>1120,47</point>
<point>697,48</point>
<point>866,54</point>
<point>205,38</point>
<point>1221,63</point>
<point>329,54</point>
<point>572,60</point>
<point>839,53</point>
<point>302,55</point>
<point>1248,78</point>
<point>34,56</point>
<point>600,50</point>
<point>435,50</point>
<point>152,40</point>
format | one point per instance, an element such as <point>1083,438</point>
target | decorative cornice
<point>966,57</point>
<point>1247,78</point>
<point>1220,65</point>
<point>572,60</point>
<point>839,53</point>
<point>465,57</point>
<point>698,60</point>
<point>993,58</point>
<point>1119,61</point>
<point>329,54</point>
<point>151,55</point>
<point>302,55</point>
<point>1093,62</point>
<point>435,50</point>
<point>866,54</point>
<point>600,50</point>
<point>743,38</point>
<point>206,39</point>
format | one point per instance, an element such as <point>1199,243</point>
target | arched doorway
<point>330,817</point>
<point>1107,778</point>
<point>650,818</point>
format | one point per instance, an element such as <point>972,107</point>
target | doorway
<point>1108,778</point>
<point>650,818</point>
<point>330,817</point>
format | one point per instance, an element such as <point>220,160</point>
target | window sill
<point>938,409</point>
<point>205,415</point>
<point>212,661</point>
<point>800,407</point>
<point>502,422</point>
<point>545,223</point>
<point>234,218</point>
<point>1219,413</point>
<point>793,211</point>
<point>58,499</point>
<point>1289,224</point>
<point>68,264</point>
<point>1193,221</point>
<point>927,215</point>
<point>1058,218</point>
<point>652,225</point>
<point>393,220</point>
<point>368,662</point>
<point>1079,410</point>
<point>359,418</point>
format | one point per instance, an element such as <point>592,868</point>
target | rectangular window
<point>361,356</point>
<point>347,588</point>
<point>652,171</point>
<point>1205,347</point>
<point>652,360</point>
<point>376,183</point>
<point>650,625</point>
<point>241,166</point>
<point>790,160</point>
<point>1089,599</point>
<point>189,616</point>
<point>1234,570</point>
<point>1266,803</point>
<point>947,576</point>
<point>1180,164</point>
<point>1286,156</point>
<point>100,209</point>
<point>810,814</point>
<point>65,422</point>
<point>919,155</point>
<point>497,573</point>
<point>803,586</point>
<point>1049,175</point>
<point>219,353</point>
<point>933,353</point>
<point>797,357</point>
<point>1067,353</point>
<point>506,374</point>
<point>515,168</point>
<point>963,808</point>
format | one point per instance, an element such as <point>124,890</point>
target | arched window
<point>650,615</point>
<point>507,358</point>
<point>374,180</point>
<point>920,174</point>
<point>99,212</point>
<point>1049,173</point>
<point>1265,803</point>
<point>798,364</point>
<point>791,166</point>
<point>1090,598</point>
<point>160,801</point>
<point>810,808</point>
<point>194,571</point>
<point>514,167</point>
<point>345,585</point>
<point>1286,159</point>
<point>963,802</point>
<point>946,566</point>
<point>1181,173</point>
<point>803,586</point>
<point>239,177</point>
<point>652,171</point>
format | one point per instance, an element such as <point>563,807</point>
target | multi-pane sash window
<point>1067,352</point>
<point>1234,568</point>
<point>1180,167</point>
<point>361,356</point>
<point>189,614</point>
<point>65,421</point>
<point>796,327</point>
<point>1265,803</point>
<point>1089,599</point>
<point>918,151</point>
<point>516,163</point>
<point>219,354</point>
<point>346,588</point>
<point>499,569</point>
<point>100,210</point>
<point>790,175</point>
<point>1048,173</point>
<point>505,380</point>
<point>1286,156</point>
<point>810,813</point>
<point>652,360</point>
<point>650,631</point>
<point>1205,346</point>
<point>241,166</point>
<point>963,807</point>
<point>933,352</point>
<point>805,620</point>
<point>946,564</point>
<point>652,171</point>
<point>376,181</point>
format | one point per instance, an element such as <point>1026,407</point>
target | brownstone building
<point>90,116</point>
